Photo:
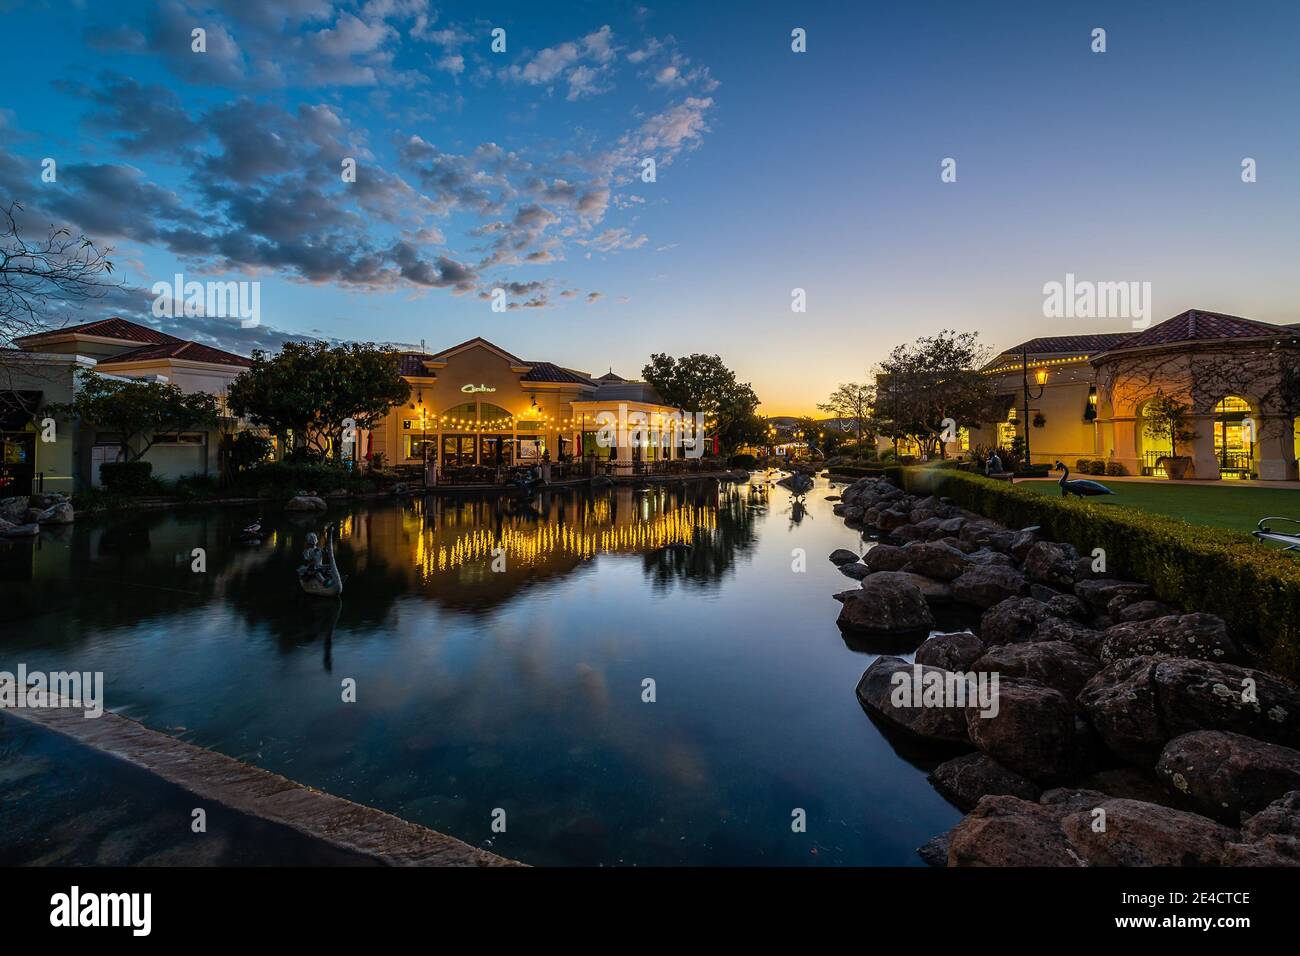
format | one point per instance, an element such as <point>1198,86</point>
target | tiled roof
<point>179,349</point>
<point>482,341</point>
<point>110,328</point>
<point>548,372</point>
<point>1196,326</point>
<point>610,377</point>
<point>1083,344</point>
<point>412,364</point>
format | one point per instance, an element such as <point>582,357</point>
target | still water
<point>520,690</point>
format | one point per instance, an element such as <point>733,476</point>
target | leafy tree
<point>851,403</point>
<point>311,388</point>
<point>1165,418</point>
<point>138,411</point>
<point>934,378</point>
<point>702,383</point>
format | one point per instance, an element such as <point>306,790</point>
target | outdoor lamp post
<point>1040,376</point>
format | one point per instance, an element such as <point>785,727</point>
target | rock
<point>1022,542</point>
<point>1054,664</point>
<point>21,530</point>
<point>13,509</point>
<point>1271,851</point>
<point>952,652</point>
<point>936,561</point>
<point>1083,571</point>
<point>856,570</point>
<point>987,556</point>
<point>32,515</point>
<point>1228,774</point>
<point>1033,731</point>
<point>1281,817</point>
<point>965,779</point>
<point>884,557</point>
<point>985,586</point>
<point>1001,541</point>
<point>832,497</point>
<point>1062,605</point>
<point>891,519</point>
<point>1131,783</point>
<point>843,556</point>
<point>853,514</point>
<point>934,851</point>
<point>935,724</point>
<point>1140,611</point>
<point>1013,620</point>
<point>1120,702</point>
<point>1051,564</point>
<point>1145,834</point>
<point>1057,629</point>
<point>934,592</point>
<point>978,531</point>
<point>886,605</point>
<point>1009,831</point>
<point>1098,594</point>
<point>1202,636</point>
<point>952,526</point>
<point>907,533</point>
<point>57,514</point>
<point>305,503</point>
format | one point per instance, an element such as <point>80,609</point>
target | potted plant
<point>1039,419</point>
<point>1166,419</point>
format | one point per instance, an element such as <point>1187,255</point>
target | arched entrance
<point>1234,437</point>
<point>1152,449</point>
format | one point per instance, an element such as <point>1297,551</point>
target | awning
<point>17,409</point>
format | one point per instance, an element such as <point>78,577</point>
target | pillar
<point>1205,463</point>
<point>1275,449</point>
<point>1122,434</point>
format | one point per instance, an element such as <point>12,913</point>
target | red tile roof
<point>548,372</point>
<point>179,349</point>
<point>1083,344</point>
<point>412,364</point>
<point>1197,326</point>
<point>110,328</point>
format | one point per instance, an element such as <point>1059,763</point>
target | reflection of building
<point>1092,395</point>
<point>42,371</point>
<point>476,404</point>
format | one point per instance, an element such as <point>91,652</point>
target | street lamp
<point>1040,376</point>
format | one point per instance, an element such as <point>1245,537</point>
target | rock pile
<point>1110,729</point>
<point>23,516</point>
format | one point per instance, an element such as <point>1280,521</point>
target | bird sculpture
<point>1082,487</point>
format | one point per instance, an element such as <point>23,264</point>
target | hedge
<point>1255,588</point>
<point>126,477</point>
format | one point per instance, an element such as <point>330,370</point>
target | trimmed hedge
<point>1256,589</point>
<point>126,477</point>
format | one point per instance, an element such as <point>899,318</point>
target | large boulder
<point>1031,730</point>
<point>884,557</point>
<point>886,604</point>
<point>1052,564</point>
<point>891,519</point>
<point>936,561</point>
<point>888,691</point>
<point>989,556</point>
<point>1139,611</point>
<point>1121,832</point>
<point>1054,664</point>
<point>1138,704</point>
<point>966,779</point>
<point>1281,817</point>
<point>1062,605</point>
<point>1227,775</point>
<point>843,556</point>
<point>1056,629</point>
<point>1203,636</point>
<point>61,513</point>
<point>1271,851</point>
<point>1013,621</point>
<point>952,652</point>
<point>1099,593</point>
<point>934,592</point>
<point>13,509</point>
<point>305,503</point>
<point>857,570</point>
<point>986,585</point>
<point>1009,831</point>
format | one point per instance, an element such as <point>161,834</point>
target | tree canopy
<point>702,383</point>
<point>311,388</point>
<point>138,411</point>
<point>850,404</point>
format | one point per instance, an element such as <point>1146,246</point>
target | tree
<point>818,436</point>
<point>933,379</point>
<point>138,411</point>
<point>850,403</point>
<point>311,388</point>
<point>1166,418</point>
<point>702,383</point>
<point>36,277</point>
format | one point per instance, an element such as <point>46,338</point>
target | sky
<point>775,170</point>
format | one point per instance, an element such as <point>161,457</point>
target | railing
<point>1230,463</point>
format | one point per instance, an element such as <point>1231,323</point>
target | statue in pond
<point>319,575</point>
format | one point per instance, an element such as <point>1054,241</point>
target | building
<point>477,406</point>
<point>1090,397</point>
<point>42,370</point>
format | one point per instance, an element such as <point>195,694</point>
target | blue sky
<point>776,170</point>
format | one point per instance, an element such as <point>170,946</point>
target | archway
<point>1150,448</point>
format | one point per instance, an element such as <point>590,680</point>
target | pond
<point>521,689</point>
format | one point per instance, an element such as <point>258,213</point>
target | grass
<point>1215,506</point>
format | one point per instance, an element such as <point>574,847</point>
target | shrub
<point>1254,588</point>
<point>1114,469</point>
<point>748,462</point>
<point>284,479</point>
<point>1082,466</point>
<point>1097,467</point>
<point>126,477</point>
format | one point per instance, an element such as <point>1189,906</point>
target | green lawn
<point>1227,505</point>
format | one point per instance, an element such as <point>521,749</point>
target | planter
<point>1175,468</point>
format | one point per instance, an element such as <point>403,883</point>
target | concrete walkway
<point>260,794</point>
<point>1144,479</point>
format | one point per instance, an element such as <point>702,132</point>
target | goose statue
<point>1079,486</point>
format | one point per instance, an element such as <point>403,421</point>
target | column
<point>1122,435</point>
<point>1205,463</point>
<point>1275,448</point>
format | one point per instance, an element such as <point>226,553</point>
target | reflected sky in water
<point>519,690</point>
